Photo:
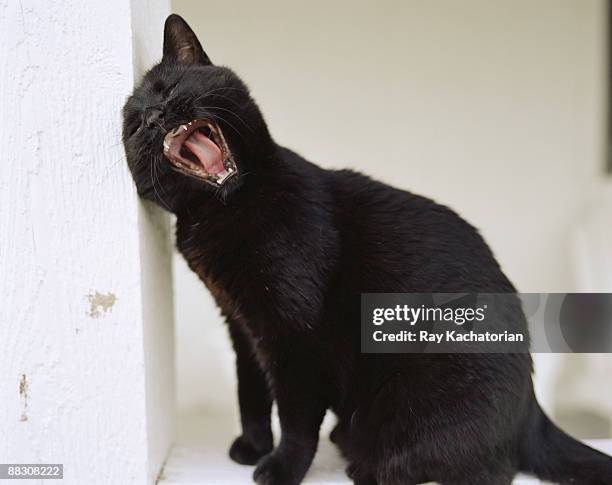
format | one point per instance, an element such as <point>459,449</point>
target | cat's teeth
<point>184,127</point>
<point>222,176</point>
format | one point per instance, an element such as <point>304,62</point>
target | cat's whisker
<point>220,196</point>
<point>233,113</point>
<point>207,93</point>
<point>153,171</point>
<point>233,101</point>
<point>219,117</point>
<point>156,173</point>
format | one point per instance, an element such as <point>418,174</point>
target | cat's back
<point>407,235</point>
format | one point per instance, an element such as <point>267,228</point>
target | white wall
<point>85,302</point>
<point>495,108</point>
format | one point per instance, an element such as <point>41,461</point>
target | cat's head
<point>190,126</point>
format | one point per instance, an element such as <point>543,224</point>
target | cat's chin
<point>198,149</point>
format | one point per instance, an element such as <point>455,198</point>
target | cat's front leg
<point>255,403</point>
<point>299,392</point>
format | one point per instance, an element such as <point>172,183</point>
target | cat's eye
<point>159,86</point>
<point>170,89</point>
<point>133,128</point>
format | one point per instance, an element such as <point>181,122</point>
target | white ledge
<point>201,457</point>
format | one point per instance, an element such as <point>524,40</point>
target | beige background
<point>495,108</point>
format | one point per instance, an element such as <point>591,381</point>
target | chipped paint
<point>23,394</point>
<point>100,303</point>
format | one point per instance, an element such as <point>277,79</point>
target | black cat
<point>286,248</point>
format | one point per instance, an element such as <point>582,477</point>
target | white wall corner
<point>86,323</point>
<point>147,19</point>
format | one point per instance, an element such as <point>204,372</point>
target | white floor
<point>201,457</point>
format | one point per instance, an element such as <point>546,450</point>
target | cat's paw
<point>350,470</point>
<point>248,452</point>
<point>273,470</point>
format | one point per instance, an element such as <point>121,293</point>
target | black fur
<point>286,248</point>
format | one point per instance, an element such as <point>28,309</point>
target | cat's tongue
<point>206,151</point>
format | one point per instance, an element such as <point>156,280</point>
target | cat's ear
<point>181,44</point>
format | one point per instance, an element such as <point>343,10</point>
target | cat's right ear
<point>181,44</point>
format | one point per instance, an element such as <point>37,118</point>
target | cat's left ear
<point>181,44</point>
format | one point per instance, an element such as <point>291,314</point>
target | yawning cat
<point>287,248</point>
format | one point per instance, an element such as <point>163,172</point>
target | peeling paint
<point>100,303</point>
<point>23,394</point>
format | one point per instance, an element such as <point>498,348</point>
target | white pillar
<point>86,318</point>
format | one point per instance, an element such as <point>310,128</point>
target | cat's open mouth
<point>198,149</point>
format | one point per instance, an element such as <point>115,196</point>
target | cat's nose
<point>154,117</point>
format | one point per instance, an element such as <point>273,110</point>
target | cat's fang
<point>223,176</point>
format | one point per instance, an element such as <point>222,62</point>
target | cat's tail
<point>550,454</point>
